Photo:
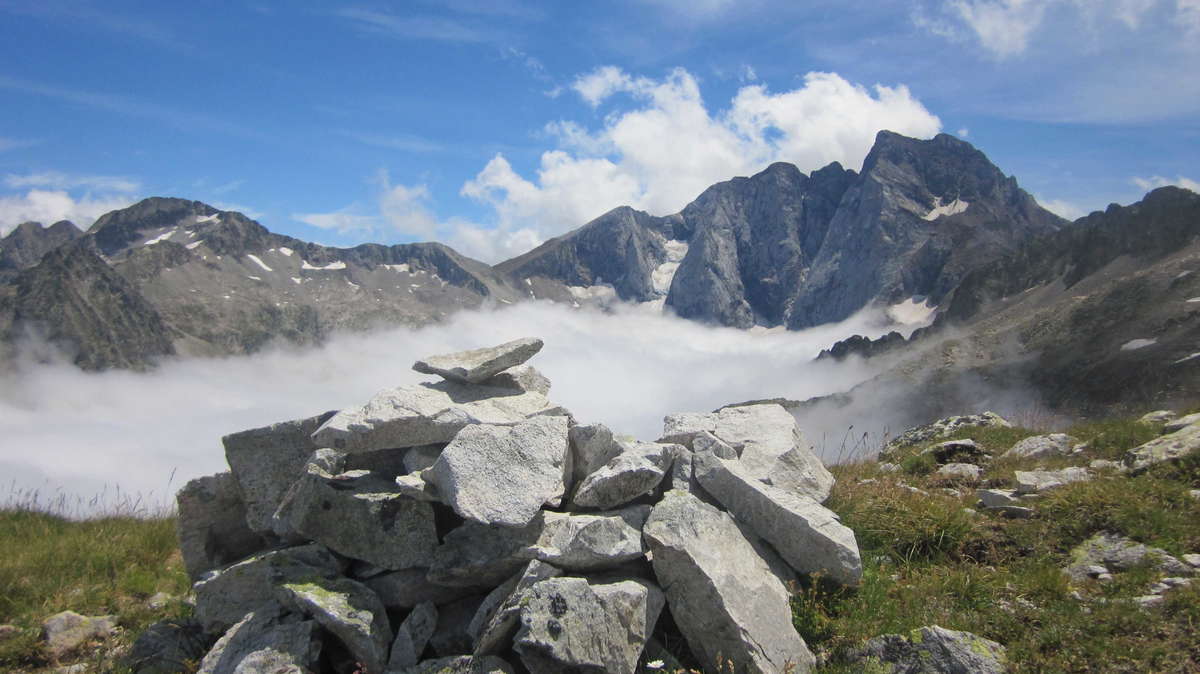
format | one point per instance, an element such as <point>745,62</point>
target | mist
<point>91,439</point>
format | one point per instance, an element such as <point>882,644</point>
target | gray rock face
<point>1038,481</point>
<point>265,641</point>
<point>66,631</point>
<point>478,555</point>
<point>460,664</point>
<point>1157,417</point>
<point>498,616</point>
<point>1173,425</point>
<point>169,646</point>
<point>521,378</point>
<point>767,440</point>
<point>931,650</point>
<point>224,597</point>
<point>477,365</point>
<point>266,461</point>
<point>453,633</point>
<point>807,535</point>
<point>1169,447</point>
<point>1113,552</point>
<point>407,588</point>
<point>420,458</point>
<point>961,473</point>
<point>1041,446</point>
<point>362,516</point>
<point>477,472</point>
<point>425,414</point>
<point>212,524</point>
<point>940,429</point>
<point>412,636</point>
<point>592,446</point>
<point>724,597</point>
<point>588,542</point>
<point>569,624</point>
<point>994,498</point>
<point>349,610</point>
<point>636,471</point>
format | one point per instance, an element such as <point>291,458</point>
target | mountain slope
<point>25,245</point>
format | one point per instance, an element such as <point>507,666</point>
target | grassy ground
<point>928,560</point>
<point>105,566</point>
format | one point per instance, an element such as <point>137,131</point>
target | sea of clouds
<point>87,440</point>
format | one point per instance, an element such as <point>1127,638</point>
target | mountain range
<point>1086,309</point>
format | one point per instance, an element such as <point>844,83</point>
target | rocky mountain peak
<point>25,245</point>
<point>119,229</point>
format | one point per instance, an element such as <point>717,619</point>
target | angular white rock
<point>212,524</point>
<point>569,624</point>
<point>498,616</point>
<point>347,609</point>
<point>1169,447</point>
<point>592,541</point>
<point>426,413</point>
<point>265,641</point>
<point>636,471</point>
<point>723,596</point>
<point>503,475</point>
<point>807,535</point>
<point>476,365</point>
<point>1038,481</point>
<point>1041,446</point>
<point>522,378</point>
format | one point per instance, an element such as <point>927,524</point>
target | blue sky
<point>493,125</point>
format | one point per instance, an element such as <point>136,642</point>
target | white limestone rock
<point>1042,446</point>
<point>427,413</point>
<point>212,524</point>
<point>591,541</point>
<point>360,515</point>
<point>347,609</point>
<point>592,446</point>
<point>765,438</point>
<point>962,473</point>
<point>266,640</point>
<point>224,597</point>
<point>1169,447</point>
<point>503,475</point>
<point>723,596</point>
<point>266,461</point>
<point>1181,423</point>
<point>994,498</point>
<point>522,378</point>
<point>569,624</point>
<point>498,616</point>
<point>635,472</point>
<point>412,636</point>
<point>65,631</point>
<point>808,536</point>
<point>477,365</point>
<point>1039,481</point>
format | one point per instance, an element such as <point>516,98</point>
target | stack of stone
<point>470,524</point>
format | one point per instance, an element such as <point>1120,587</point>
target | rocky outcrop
<point>499,559</point>
<point>940,429</point>
<point>929,650</point>
<point>478,365</point>
<point>25,245</point>
<point>1169,447</point>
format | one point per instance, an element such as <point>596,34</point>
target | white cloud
<point>134,430</point>
<point>49,206</point>
<point>964,132</point>
<point>7,144</point>
<point>1187,15</point>
<point>405,209</point>
<point>1154,182</point>
<point>62,181</point>
<point>1063,208</point>
<point>696,9</point>
<point>343,222</point>
<point>662,151</point>
<point>1003,26</point>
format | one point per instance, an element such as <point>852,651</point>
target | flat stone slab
<point>723,596</point>
<point>504,474</point>
<point>808,536</point>
<point>477,365</point>
<point>767,441</point>
<point>1039,481</point>
<point>265,641</point>
<point>426,413</point>
<point>266,461</point>
<point>1169,447</point>
<point>362,516</point>
<point>212,524</point>
<point>224,597</point>
<point>569,625</point>
<point>994,498</point>
<point>347,609</point>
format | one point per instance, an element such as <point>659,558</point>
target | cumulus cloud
<point>1154,182</point>
<point>1063,208</point>
<point>1002,26</point>
<point>49,206</point>
<point>62,181</point>
<point>626,369</point>
<point>342,222</point>
<point>664,149</point>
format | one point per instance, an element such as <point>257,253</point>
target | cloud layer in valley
<point>82,434</point>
